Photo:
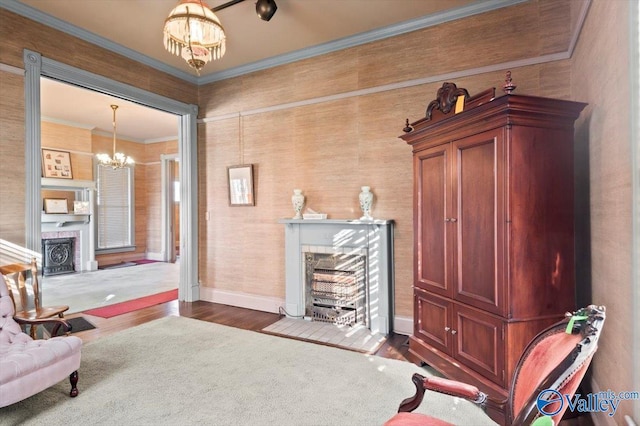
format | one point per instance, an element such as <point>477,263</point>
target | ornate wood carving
<point>446,99</point>
<point>508,84</point>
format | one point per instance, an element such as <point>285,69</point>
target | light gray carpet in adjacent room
<point>89,290</point>
<point>182,371</point>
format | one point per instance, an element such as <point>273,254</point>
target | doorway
<point>170,175</point>
<point>35,67</point>
<point>79,121</point>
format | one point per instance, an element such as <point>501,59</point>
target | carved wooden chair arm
<point>446,386</point>
<point>58,322</point>
<point>454,388</point>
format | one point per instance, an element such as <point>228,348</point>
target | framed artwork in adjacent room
<point>56,164</point>
<point>55,206</point>
<point>241,185</point>
<point>81,207</point>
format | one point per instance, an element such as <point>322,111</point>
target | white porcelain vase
<point>366,202</point>
<point>297,199</point>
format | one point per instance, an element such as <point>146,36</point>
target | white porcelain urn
<point>366,201</point>
<point>297,199</point>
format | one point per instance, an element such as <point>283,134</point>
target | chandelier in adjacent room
<point>119,160</point>
<point>194,32</point>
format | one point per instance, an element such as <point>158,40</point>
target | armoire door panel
<point>479,342</point>
<point>432,323</point>
<point>476,204</point>
<point>431,241</point>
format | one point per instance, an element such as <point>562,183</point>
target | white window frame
<point>124,196</point>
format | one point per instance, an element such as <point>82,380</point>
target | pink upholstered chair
<point>555,359</point>
<point>29,366</point>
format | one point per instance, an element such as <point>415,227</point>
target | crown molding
<point>321,49</point>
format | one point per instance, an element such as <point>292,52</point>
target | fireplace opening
<point>336,288</point>
<point>58,256</point>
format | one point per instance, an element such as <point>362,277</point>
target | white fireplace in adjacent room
<point>78,226</point>
<point>340,271</point>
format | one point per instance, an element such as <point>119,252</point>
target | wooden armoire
<point>493,230</point>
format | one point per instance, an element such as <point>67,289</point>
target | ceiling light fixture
<point>266,9</point>
<point>194,32</point>
<point>119,160</point>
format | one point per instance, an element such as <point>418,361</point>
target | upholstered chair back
<point>554,363</point>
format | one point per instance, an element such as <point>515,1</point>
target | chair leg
<point>32,331</point>
<point>73,378</point>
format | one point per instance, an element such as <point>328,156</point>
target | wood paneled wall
<point>331,148</point>
<point>12,174</point>
<point>600,68</point>
<point>75,140</point>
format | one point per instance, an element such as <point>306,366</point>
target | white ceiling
<point>74,106</point>
<point>299,28</point>
<point>296,25</point>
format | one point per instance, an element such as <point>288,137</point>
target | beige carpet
<point>181,371</point>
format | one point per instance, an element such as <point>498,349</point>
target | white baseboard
<point>403,325</point>
<point>92,265</point>
<point>155,256</point>
<point>241,300</point>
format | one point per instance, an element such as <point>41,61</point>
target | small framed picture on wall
<point>241,185</point>
<point>56,164</point>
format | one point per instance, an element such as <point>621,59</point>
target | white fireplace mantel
<point>61,219</point>
<point>81,223</point>
<point>374,237</point>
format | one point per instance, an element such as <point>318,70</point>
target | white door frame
<point>168,217</point>
<point>36,67</point>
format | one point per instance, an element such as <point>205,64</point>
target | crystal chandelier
<point>119,160</point>
<point>194,32</point>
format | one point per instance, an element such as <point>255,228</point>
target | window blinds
<point>114,205</point>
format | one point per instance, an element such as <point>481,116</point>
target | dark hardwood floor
<point>395,347</point>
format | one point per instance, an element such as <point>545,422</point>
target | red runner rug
<point>144,261</point>
<point>133,305</point>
